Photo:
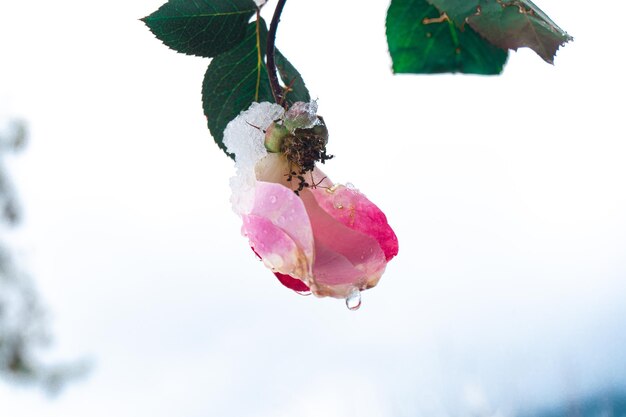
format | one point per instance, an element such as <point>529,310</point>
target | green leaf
<point>201,27</point>
<point>234,80</point>
<point>423,41</point>
<point>519,23</point>
<point>296,89</point>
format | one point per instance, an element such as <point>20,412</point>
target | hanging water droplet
<point>353,300</point>
<point>303,293</point>
<point>273,199</point>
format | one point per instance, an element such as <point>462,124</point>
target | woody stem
<point>277,90</point>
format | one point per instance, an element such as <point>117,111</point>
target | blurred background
<point>507,195</point>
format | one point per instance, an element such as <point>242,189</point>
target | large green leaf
<point>295,88</point>
<point>423,41</point>
<point>201,27</point>
<point>519,23</point>
<point>237,78</point>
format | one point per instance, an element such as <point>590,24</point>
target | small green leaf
<point>201,27</point>
<point>296,89</point>
<point>518,23</point>
<point>421,40</point>
<point>234,80</point>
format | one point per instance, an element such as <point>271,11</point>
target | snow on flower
<point>313,234</point>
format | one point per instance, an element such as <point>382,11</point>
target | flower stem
<point>277,90</point>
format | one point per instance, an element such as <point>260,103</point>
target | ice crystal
<point>244,137</point>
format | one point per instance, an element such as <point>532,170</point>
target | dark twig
<point>277,90</point>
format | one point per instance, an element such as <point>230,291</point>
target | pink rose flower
<point>327,238</point>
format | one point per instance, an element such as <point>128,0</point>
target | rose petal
<point>344,258</point>
<point>286,211</point>
<point>277,250</point>
<point>289,281</point>
<point>351,208</point>
<point>292,283</point>
<point>336,276</point>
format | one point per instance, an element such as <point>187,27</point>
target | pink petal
<point>345,258</point>
<point>288,281</point>
<point>352,209</point>
<point>277,250</point>
<point>292,283</point>
<point>286,211</point>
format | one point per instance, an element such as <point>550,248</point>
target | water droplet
<point>281,220</point>
<point>338,205</point>
<point>353,300</point>
<point>333,188</point>
<point>273,199</point>
<point>303,293</point>
<point>350,186</point>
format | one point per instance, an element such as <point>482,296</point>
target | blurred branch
<point>22,327</point>
<point>13,138</point>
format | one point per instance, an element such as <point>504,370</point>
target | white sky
<point>509,287</point>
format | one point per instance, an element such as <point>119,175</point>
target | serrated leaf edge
<point>538,17</point>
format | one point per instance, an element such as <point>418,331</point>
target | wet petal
<point>277,250</point>
<point>336,276</point>
<point>352,209</point>
<point>289,281</point>
<point>345,258</point>
<point>286,211</point>
<point>292,283</point>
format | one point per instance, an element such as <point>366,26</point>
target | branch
<point>277,90</point>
